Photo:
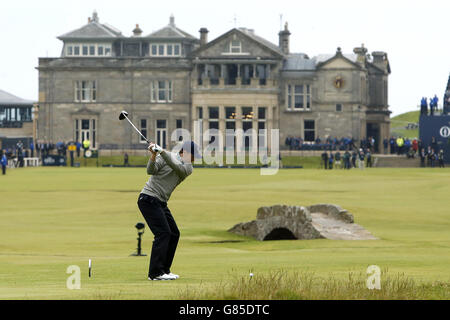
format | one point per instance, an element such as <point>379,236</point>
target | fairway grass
<point>56,217</point>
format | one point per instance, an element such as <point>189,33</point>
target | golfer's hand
<point>154,148</point>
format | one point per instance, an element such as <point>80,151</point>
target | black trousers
<point>3,169</point>
<point>162,224</point>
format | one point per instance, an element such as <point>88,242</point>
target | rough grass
<point>284,285</point>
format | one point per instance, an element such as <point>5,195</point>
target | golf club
<point>124,115</point>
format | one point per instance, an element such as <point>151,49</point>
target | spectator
<point>361,157</point>
<point>354,156</point>
<point>3,161</point>
<point>330,161</point>
<point>385,146</point>
<point>400,142</point>
<point>78,145</point>
<point>415,145</point>
<point>347,160</point>
<point>423,155</point>
<point>369,159</point>
<point>431,157</point>
<point>337,160</point>
<point>32,148</point>
<point>410,154</point>
<point>325,159</point>
<point>392,144</point>
<point>441,158</point>
<point>125,160</point>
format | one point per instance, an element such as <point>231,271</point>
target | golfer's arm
<point>152,165</point>
<point>180,169</point>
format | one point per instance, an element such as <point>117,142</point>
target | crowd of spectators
<point>297,143</point>
<point>349,159</point>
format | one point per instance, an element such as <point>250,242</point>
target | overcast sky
<point>415,34</point>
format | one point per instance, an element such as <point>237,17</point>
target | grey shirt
<point>168,171</point>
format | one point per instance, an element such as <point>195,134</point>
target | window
<point>261,126</point>
<point>200,112</point>
<point>91,50</point>
<point>86,129</point>
<point>161,133</point>
<point>165,49</point>
<point>143,130</point>
<point>161,91</point>
<point>261,113</point>
<point>309,130</point>
<point>212,137</point>
<point>247,113</point>
<point>179,125</point>
<point>338,107</point>
<point>299,97</point>
<point>85,91</point>
<point>235,46</point>
<point>230,113</point>
<point>213,112</point>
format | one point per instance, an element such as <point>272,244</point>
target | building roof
<point>325,57</point>
<point>251,33</point>
<point>93,30</point>
<point>171,31</point>
<point>299,61</point>
<point>10,99</point>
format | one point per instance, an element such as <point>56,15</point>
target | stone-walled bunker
<point>282,222</point>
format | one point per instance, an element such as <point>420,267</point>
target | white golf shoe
<point>163,277</point>
<point>173,275</point>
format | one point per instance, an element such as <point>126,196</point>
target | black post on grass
<point>140,228</point>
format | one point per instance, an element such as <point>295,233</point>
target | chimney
<point>172,21</point>
<point>95,16</point>
<point>89,19</point>
<point>203,36</point>
<point>137,31</point>
<point>380,59</point>
<point>361,53</point>
<point>284,39</point>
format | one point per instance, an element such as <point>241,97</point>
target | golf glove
<point>155,148</point>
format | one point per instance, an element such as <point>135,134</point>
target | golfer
<point>167,171</point>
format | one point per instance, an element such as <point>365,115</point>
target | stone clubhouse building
<point>170,80</point>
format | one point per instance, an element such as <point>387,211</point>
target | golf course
<point>53,218</point>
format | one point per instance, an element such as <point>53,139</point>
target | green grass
<point>398,124</point>
<point>56,217</point>
<point>305,162</point>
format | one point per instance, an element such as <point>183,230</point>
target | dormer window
<point>88,50</point>
<point>165,50</point>
<point>235,46</point>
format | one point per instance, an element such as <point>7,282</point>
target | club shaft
<point>137,129</point>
